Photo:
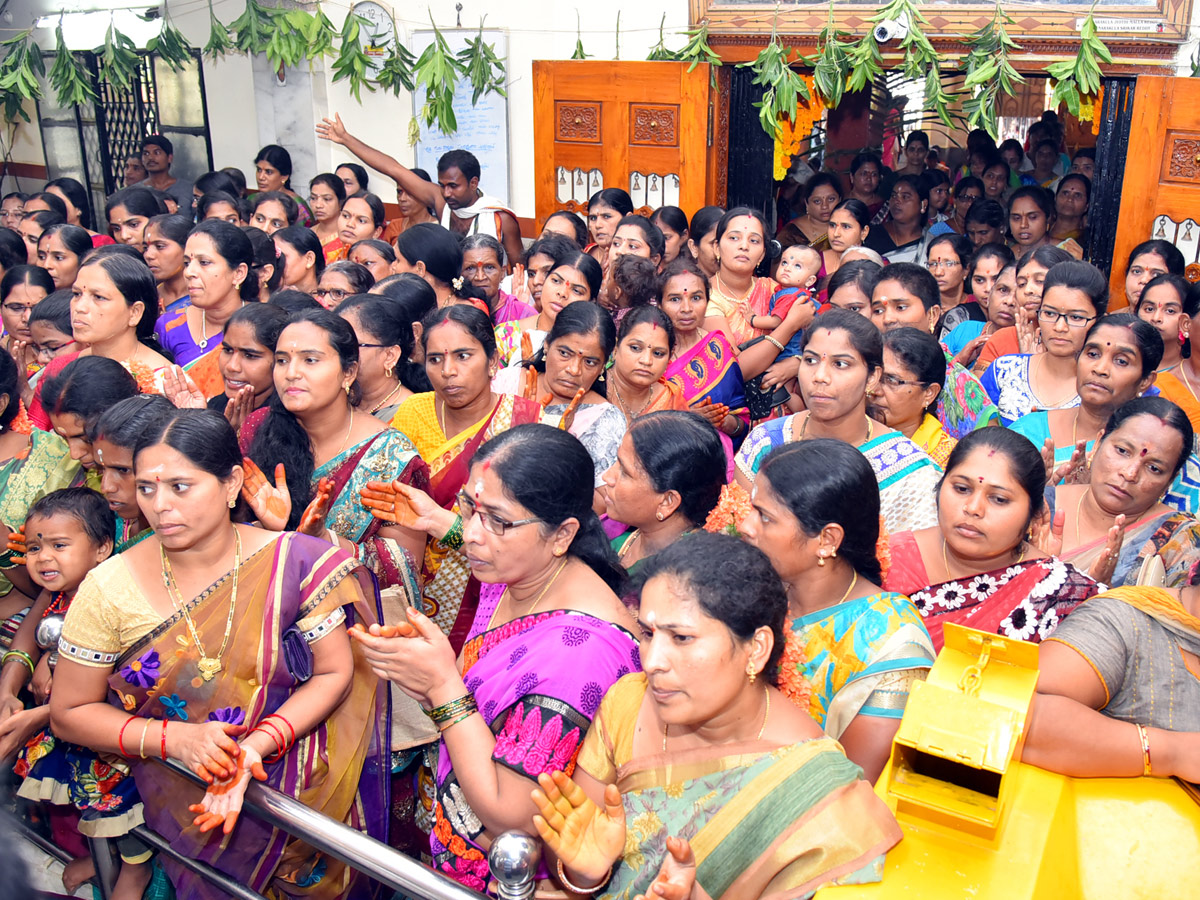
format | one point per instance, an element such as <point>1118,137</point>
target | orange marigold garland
<point>883,550</point>
<point>21,423</point>
<point>730,510</point>
<point>791,133</point>
<point>792,682</point>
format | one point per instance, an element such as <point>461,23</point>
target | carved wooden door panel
<point>641,126</point>
<point>1160,197</point>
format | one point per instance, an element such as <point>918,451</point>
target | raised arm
<point>426,192</point>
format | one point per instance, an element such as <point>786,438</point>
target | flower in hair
<point>457,282</point>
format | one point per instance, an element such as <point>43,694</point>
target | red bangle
<point>287,723</point>
<point>121,736</point>
<point>277,737</point>
<point>164,740</point>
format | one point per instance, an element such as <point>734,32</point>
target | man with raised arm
<point>456,198</point>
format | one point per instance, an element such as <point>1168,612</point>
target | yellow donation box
<point>978,823</point>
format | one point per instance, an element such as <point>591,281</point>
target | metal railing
<point>513,857</point>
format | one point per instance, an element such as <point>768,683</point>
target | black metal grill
<point>123,117</point>
<point>1112,146</point>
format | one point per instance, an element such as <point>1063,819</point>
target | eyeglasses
<point>19,309</point>
<point>1074,320</point>
<point>47,350</point>
<point>942,264</point>
<point>336,294</point>
<point>362,346</point>
<point>892,382</point>
<point>491,522</point>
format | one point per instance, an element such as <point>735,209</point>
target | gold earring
<point>750,671</point>
<point>388,371</point>
<point>559,552</point>
<point>834,553</point>
<point>820,559</point>
<point>348,390</point>
<point>659,516</point>
<point>232,502</point>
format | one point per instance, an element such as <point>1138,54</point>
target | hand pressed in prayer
<point>1029,336</point>
<point>677,875</point>
<point>271,504</point>
<point>1106,563</point>
<point>568,416</point>
<point>180,389</point>
<point>313,520</point>
<point>586,838</point>
<point>1046,532</point>
<point>519,285</point>
<point>222,801</point>
<point>238,409</point>
<point>416,656</point>
<point>714,412</point>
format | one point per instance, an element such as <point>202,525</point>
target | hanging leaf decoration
<point>783,86</point>
<point>352,61</point>
<point>218,44</point>
<point>252,29</point>
<point>170,44</point>
<point>1080,76</point>
<point>833,64</point>
<point>659,52</point>
<point>19,74</point>
<point>397,70</point>
<point>117,58</point>
<point>438,71</point>
<point>579,52</point>
<point>483,68</point>
<point>698,51</point>
<point>71,84</point>
<point>989,72</point>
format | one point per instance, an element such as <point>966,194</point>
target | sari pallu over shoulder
<point>296,589</point>
<point>764,820</point>
<point>538,681</point>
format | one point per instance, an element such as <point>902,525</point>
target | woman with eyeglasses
<point>340,280</point>
<point>1074,295</point>
<point>1117,363</point>
<point>549,638</point>
<point>949,260</point>
<point>914,371</point>
<point>21,289</point>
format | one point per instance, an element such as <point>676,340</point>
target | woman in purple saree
<point>549,638</point>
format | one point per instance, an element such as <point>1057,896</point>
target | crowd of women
<point>637,543</point>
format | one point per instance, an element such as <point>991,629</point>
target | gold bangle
<point>142,742</point>
<point>443,727</point>
<point>772,340</point>
<point>566,882</point>
<point>1142,733</point>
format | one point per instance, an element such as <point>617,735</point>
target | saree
<point>738,312</point>
<point>963,405</point>
<point>334,250</point>
<point>1134,639</point>
<point>450,593</point>
<point>1158,550</point>
<point>292,593</point>
<point>538,681</point>
<point>709,369</point>
<point>509,335</point>
<point>932,438</point>
<point>763,820</point>
<point>907,477</point>
<point>1171,386</point>
<point>386,456</point>
<point>858,658</point>
<point>1007,382</point>
<point>1025,601</point>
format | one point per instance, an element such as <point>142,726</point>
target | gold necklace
<point>946,558</point>
<point>382,403</point>
<point>209,666</point>
<point>342,446</point>
<point>633,538</point>
<point>1048,405</point>
<point>1187,382</point>
<point>536,600</point>
<point>846,595</point>
<point>766,715</point>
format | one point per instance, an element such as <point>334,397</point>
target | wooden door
<point>1160,197</point>
<point>642,126</point>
